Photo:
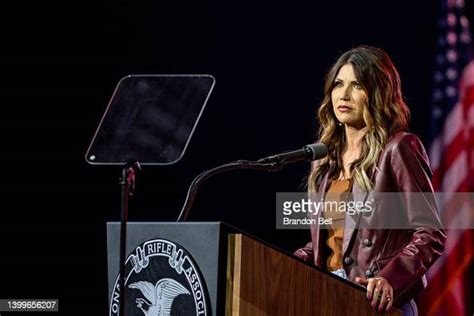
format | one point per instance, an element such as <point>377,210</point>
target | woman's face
<point>348,98</point>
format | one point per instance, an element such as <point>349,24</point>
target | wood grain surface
<point>263,281</point>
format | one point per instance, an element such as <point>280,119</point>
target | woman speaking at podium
<point>363,121</point>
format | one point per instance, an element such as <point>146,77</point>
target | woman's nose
<point>345,94</point>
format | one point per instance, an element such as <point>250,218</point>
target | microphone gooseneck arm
<point>240,164</point>
<point>272,163</point>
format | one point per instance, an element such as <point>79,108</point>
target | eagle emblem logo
<point>159,297</point>
<point>161,279</point>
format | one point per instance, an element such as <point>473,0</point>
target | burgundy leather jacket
<point>402,256</point>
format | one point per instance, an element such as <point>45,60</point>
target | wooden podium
<point>239,275</point>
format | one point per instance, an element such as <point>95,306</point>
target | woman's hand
<point>378,291</point>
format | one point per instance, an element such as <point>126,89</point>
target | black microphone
<point>309,152</point>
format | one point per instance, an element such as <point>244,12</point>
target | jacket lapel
<point>315,231</point>
<point>351,221</point>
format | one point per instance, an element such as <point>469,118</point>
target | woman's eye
<point>357,86</point>
<point>338,84</point>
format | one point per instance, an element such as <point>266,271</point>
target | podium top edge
<point>170,222</point>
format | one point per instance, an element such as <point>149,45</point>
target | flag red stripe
<point>457,262</point>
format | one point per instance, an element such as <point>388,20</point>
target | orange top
<point>336,229</point>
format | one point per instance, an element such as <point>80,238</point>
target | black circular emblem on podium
<point>161,278</point>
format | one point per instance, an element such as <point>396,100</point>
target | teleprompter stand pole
<point>127,182</point>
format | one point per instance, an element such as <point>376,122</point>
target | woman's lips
<point>344,108</point>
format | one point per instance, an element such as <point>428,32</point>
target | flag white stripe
<point>456,174</point>
<point>454,123</point>
<point>457,293</point>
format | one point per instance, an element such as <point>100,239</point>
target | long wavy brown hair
<point>385,114</point>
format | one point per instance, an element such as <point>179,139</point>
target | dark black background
<point>60,62</point>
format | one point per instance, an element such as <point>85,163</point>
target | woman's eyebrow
<point>353,81</point>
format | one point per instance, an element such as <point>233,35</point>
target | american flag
<point>452,160</point>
